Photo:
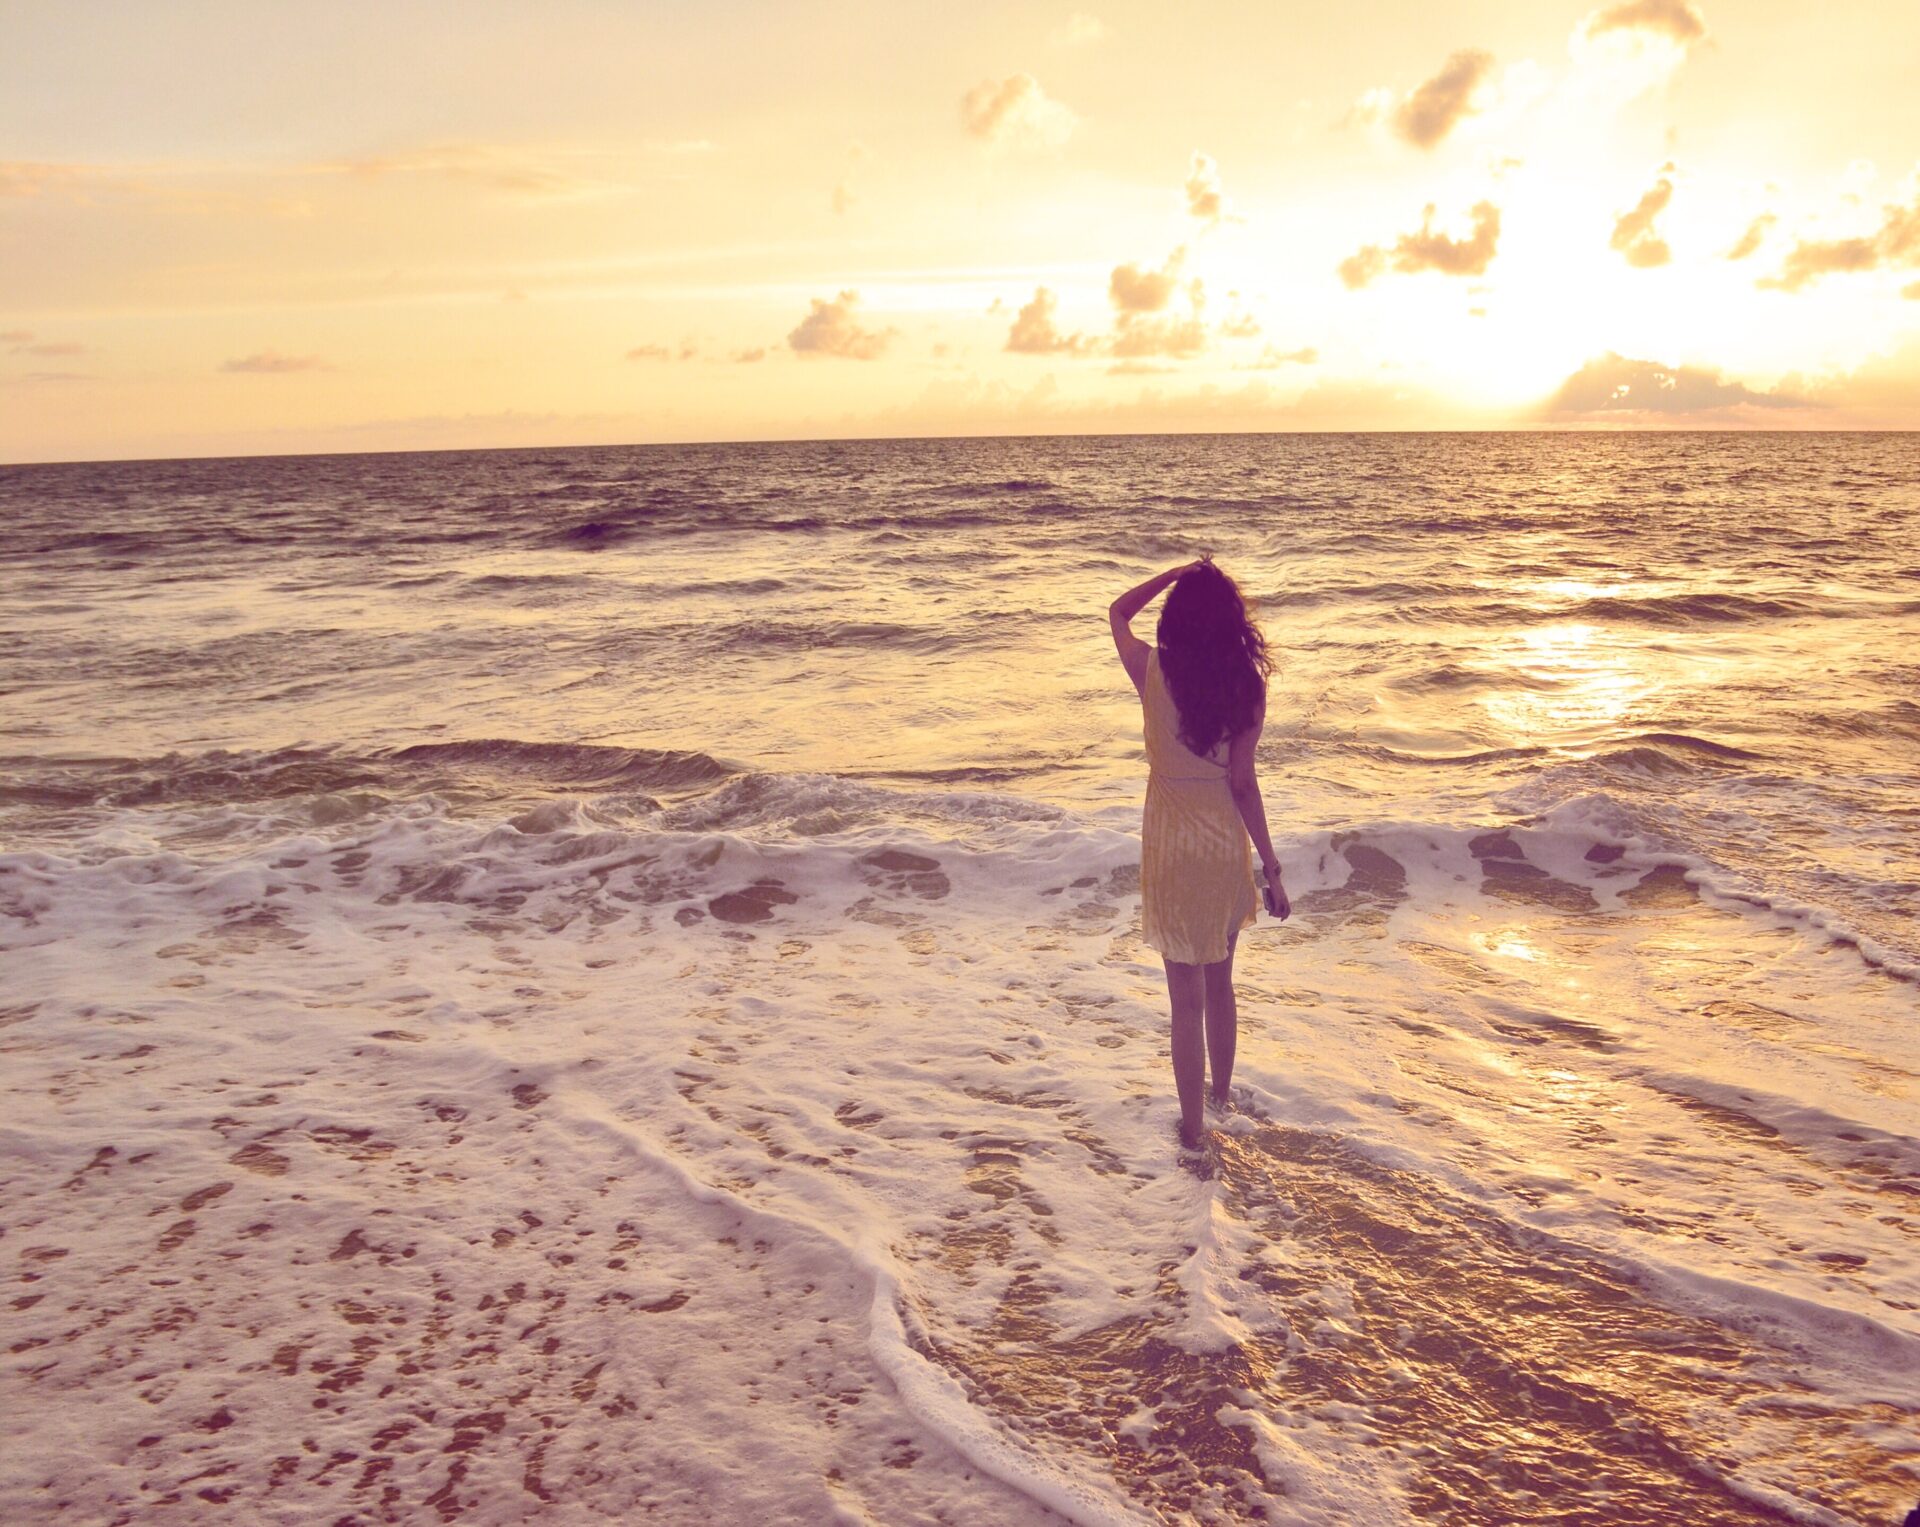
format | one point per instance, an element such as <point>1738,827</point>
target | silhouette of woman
<point>1203,695</point>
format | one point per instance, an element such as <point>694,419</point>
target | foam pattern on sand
<point>801,1150</point>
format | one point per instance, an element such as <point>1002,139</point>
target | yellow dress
<point>1196,865</point>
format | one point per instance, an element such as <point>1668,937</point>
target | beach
<point>607,985</point>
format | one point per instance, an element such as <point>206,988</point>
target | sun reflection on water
<point>1511,944</point>
<point>1578,683</point>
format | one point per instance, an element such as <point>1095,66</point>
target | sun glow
<point>1345,228</point>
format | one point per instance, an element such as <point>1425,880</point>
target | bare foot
<point>1218,1100</point>
<point>1191,1139</point>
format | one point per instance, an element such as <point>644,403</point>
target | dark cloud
<point>1034,331</point>
<point>1614,384</point>
<point>1675,19</point>
<point>1429,249</point>
<point>1750,240</point>
<point>1134,290</point>
<point>1431,112</point>
<point>273,363</point>
<point>1634,234</point>
<point>830,329</point>
<point>1896,242</point>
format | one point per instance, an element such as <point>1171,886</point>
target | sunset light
<point>583,224</point>
<point>977,765</point>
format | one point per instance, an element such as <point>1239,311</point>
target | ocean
<point>605,985</point>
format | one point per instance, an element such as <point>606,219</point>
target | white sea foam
<point>929,1069</point>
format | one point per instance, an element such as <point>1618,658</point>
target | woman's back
<point>1167,756</point>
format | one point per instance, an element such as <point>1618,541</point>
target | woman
<point>1203,688</point>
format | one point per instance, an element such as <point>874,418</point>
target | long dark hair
<point>1213,656</point>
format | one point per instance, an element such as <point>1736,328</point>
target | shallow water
<point>610,981</point>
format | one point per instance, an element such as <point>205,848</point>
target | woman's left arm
<point>1133,652</point>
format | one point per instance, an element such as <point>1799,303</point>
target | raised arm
<point>1133,651</point>
<point>1244,785</point>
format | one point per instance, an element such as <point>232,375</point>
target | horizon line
<point>771,440</point>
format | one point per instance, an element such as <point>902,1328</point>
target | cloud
<point>1438,104</point>
<point>1634,234</point>
<point>1273,357</point>
<point>1362,266</point>
<point>1240,326</point>
<point>518,170</point>
<point>830,329</point>
<point>1615,385</point>
<point>843,198</point>
<point>1911,291</point>
<point>1133,290</point>
<point>21,342</point>
<point>1136,293</point>
<point>1080,30</point>
<point>1139,368</point>
<point>1674,19</point>
<point>59,376</point>
<point>649,353</point>
<point>1882,392</point>
<point>1016,111</point>
<point>1429,249</point>
<point>273,363</point>
<point>1821,257</point>
<point>1034,331</point>
<point>1895,242</point>
<point>749,356</point>
<point>1180,338</point>
<point>1750,240</point>
<point>25,177</point>
<point>1204,199</point>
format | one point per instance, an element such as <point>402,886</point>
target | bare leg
<point>1223,1019</point>
<point>1185,989</point>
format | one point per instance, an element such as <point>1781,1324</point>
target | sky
<point>247,227</point>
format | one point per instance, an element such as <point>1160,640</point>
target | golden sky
<point>255,227</point>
